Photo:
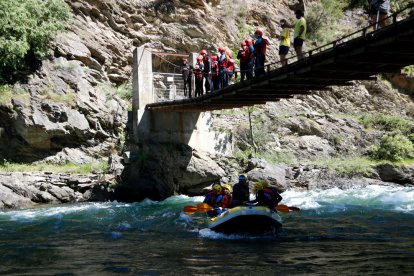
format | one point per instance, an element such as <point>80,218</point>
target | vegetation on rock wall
<point>26,28</point>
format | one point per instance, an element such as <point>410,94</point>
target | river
<point>361,231</point>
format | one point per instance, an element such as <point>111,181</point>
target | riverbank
<point>25,189</point>
<point>19,190</point>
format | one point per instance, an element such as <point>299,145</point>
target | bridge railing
<point>409,9</point>
<point>167,87</point>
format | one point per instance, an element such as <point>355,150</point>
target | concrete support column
<point>143,90</point>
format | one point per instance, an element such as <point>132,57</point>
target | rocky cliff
<point>73,101</point>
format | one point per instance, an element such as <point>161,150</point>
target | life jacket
<point>214,68</point>
<point>269,197</point>
<point>230,65</point>
<point>198,70</point>
<point>210,198</point>
<point>225,202</point>
<point>244,55</point>
<point>261,47</point>
<point>207,64</point>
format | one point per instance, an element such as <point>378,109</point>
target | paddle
<point>201,207</point>
<point>286,209</point>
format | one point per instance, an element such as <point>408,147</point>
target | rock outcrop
<point>22,190</point>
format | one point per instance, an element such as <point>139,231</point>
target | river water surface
<point>360,231</point>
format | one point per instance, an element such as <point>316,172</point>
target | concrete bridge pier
<point>190,128</point>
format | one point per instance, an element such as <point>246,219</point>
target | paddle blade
<point>282,208</point>
<point>190,209</point>
<point>293,208</point>
<point>204,207</point>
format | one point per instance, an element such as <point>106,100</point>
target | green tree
<point>26,27</point>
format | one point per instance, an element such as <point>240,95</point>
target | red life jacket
<point>223,63</point>
<point>225,202</point>
<point>262,47</point>
<point>230,65</point>
<point>214,68</point>
<point>198,72</point>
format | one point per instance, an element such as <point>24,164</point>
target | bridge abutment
<point>190,128</point>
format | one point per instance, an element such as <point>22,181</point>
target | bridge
<point>384,51</point>
<point>358,56</point>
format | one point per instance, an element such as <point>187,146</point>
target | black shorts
<point>283,50</point>
<point>297,42</point>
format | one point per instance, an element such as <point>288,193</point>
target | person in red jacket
<point>226,200</point>
<point>215,78</point>
<point>222,63</point>
<point>206,70</point>
<point>259,53</point>
<point>244,56</point>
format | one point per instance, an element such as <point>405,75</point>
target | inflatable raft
<point>246,219</point>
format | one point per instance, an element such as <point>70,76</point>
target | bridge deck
<point>384,51</point>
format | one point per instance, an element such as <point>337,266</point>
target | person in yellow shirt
<point>299,33</point>
<point>284,41</point>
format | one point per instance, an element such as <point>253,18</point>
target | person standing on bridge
<point>378,12</point>
<point>198,73</point>
<point>222,64</point>
<point>215,78</point>
<point>284,42</point>
<point>299,34</point>
<point>187,73</point>
<point>206,70</point>
<point>259,53</point>
<point>244,56</point>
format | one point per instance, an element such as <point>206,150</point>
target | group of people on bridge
<point>216,71</point>
<point>223,197</point>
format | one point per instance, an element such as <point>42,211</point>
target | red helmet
<point>243,44</point>
<point>203,52</point>
<point>259,32</point>
<point>200,58</point>
<point>214,58</point>
<point>249,41</point>
<point>221,49</point>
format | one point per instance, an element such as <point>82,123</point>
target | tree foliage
<point>26,27</point>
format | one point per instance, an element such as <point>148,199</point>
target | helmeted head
<point>221,49</point>
<point>203,52</point>
<point>200,58</point>
<point>249,41</point>
<point>227,187</point>
<point>299,14</point>
<point>242,179</point>
<point>217,188</point>
<point>258,33</point>
<point>214,58</point>
<point>258,186</point>
<point>243,44</point>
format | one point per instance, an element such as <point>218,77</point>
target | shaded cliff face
<point>71,101</point>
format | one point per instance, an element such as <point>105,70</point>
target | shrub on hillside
<point>393,147</point>
<point>322,18</point>
<point>386,122</point>
<point>26,27</point>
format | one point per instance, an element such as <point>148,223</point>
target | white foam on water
<point>57,212</point>
<point>387,197</point>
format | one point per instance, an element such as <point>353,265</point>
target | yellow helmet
<point>258,186</point>
<point>227,187</point>
<point>217,188</point>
